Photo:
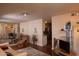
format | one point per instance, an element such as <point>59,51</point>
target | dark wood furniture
<point>21,42</point>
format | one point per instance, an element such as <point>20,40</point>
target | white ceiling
<point>14,12</point>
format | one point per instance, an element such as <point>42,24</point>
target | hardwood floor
<point>44,49</point>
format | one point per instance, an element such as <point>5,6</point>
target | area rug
<point>32,52</point>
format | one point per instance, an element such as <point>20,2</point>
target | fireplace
<point>65,46</point>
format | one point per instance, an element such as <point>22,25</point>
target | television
<point>64,45</point>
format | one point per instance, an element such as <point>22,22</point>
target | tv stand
<point>60,52</point>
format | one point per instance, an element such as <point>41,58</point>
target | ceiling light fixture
<point>25,14</point>
<point>75,14</point>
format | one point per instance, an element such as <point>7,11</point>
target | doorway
<point>48,33</point>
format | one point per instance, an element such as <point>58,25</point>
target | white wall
<point>58,23</point>
<point>29,29</point>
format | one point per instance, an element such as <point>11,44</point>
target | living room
<point>39,28</point>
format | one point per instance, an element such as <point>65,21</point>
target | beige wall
<point>1,30</point>
<point>75,34</point>
<point>4,32</point>
<point>58,23</point>
<point>76,40</point>
<point>29,29</point>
